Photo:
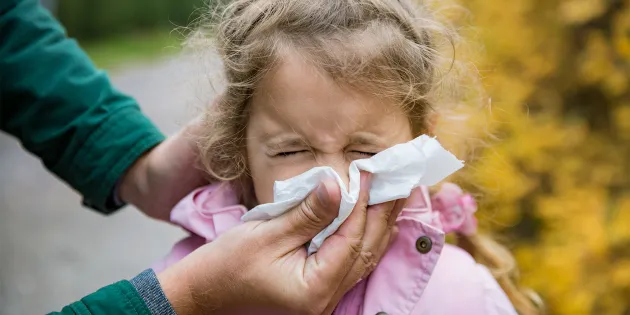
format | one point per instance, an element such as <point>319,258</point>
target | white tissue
<point>396,172</point>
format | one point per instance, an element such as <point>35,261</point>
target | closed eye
<point>368,154</point>
<point>290,153</point>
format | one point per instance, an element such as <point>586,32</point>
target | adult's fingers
<point>379,233</point>
<point>387,241</point>
<point>337,254</point>
<point>391,233</point>
<point>300,224</point>
<point>398,207</point>
<point>367,258</point>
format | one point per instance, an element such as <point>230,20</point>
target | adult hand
<point>264,265</point>
<point>164,175</point>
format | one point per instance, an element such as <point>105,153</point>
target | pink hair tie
<point>456,209</point>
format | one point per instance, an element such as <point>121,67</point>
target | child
<point>321,82</point>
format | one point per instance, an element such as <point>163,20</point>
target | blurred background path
<point>53,251</point>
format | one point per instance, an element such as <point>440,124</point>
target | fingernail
<point>322,195</point>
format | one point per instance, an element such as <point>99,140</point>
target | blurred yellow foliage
<point>556,182</point>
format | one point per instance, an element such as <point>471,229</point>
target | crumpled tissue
<point>396,171</point>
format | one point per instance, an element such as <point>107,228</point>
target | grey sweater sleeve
<point>148,286</point>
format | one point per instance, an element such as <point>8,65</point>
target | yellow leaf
<point>580,11</point>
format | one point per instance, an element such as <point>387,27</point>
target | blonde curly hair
<point>395,49</point>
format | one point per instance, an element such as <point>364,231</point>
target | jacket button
<point>424,244</point>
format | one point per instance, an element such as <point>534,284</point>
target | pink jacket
<point>420,274</point>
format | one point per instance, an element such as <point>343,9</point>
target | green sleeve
<point>120,298</point>
<point>63,109</point>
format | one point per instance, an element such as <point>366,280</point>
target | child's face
<point>300,118</point>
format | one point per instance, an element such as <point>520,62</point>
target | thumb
<point>300,224</point>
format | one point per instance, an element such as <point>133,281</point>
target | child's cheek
<point>263,183</point>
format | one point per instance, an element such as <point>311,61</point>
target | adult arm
<point>63,109</point>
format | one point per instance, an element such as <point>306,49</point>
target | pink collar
<point>214,209</point>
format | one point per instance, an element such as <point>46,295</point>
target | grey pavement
<point>53,251</point>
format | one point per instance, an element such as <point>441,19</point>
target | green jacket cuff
<point>120,298</point>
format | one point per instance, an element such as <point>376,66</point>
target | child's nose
<point>339,164</point>
<point>342,170</point>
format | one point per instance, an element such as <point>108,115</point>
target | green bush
<point>93,19</point>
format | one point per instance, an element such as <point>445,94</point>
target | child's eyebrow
<point>365,138</point>
<point>285,141</point>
